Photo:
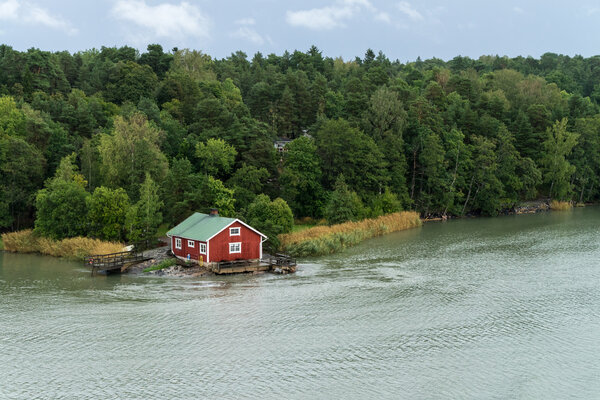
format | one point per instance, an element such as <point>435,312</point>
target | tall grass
<point>75,248</point>
<point>321,240</point>
<point>556,205</point>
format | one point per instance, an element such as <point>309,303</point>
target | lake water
<point>499,308</point>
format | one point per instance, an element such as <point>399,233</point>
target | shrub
<point>556,205</point>
<point>169,262</point>
<point>321,240</point>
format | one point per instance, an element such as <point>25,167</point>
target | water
<point>504,308</point>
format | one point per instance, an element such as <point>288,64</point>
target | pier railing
<point>107,262</point>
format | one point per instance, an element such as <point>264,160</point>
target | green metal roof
<point>200,226</point>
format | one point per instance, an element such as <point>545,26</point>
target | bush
<point>556,205</point>
<point>169,262</point>
<point>74,248</point>
<point>321,240</point>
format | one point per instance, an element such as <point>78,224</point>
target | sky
<point>403,30</point>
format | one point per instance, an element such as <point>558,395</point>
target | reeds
<point>321,240</point>
<point>556,205</point>
<point>74,248</point>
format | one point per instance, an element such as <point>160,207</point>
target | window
<point>235,248</point>
<point>234,231</point>
<point>177,243</point>
<point>202,248</point>
<point>190,243</point>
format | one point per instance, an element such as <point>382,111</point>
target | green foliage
<point>144,218</point>
<point>301,178</point>
<point>131,151</point>
<point>558,170</point>
<point>348,151</point>
<point>272,218</point>
<point>107,213</point>
<point>162,265</point>
<point>344,204</point>
<point>216,157</point>
<point>61,210</point>
<point>459,137</point>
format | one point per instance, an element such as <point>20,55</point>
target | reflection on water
<point>486,308</point>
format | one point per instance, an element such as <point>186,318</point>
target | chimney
<point>214,212</point>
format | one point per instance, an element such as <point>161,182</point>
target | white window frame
<point>191,243</point>
<point>178,243</point>
<point>202,246</point>
<point>239,231</point>
<point>239,251</point>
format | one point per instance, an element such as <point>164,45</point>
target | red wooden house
<point>211,238</point>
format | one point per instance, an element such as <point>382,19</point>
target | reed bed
<point>321,240</point>
<point>556,205</point>
<point>74,248</point>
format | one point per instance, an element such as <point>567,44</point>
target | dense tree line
<point>111,143</point>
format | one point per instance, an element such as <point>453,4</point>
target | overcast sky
<point>401,29</point>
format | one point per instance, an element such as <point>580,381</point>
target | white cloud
<point>329,17</point>
<point>37,15</point>
<point>245,21</point>
<point>518,10</point>
<point>410,11</point>
<point>383,17</point>
<point>249,34</point>
<point>165,19</point>
<point>9,9</point>
<point>33,14</point>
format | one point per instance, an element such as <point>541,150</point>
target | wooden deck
<point>278,263</point>
<point>114,262</point>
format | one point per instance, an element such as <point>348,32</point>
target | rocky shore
<point>161,254</point>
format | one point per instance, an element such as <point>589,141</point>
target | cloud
<point>249,34</point>
<point>405,8</point>
<point>37,15</point>
<point>330,17</point>
<point>165,19</point>
<point>518,10</point>
<point>30,13</point>
<point>383,17</point>
<point>245,21</point>
<point>9,9</point>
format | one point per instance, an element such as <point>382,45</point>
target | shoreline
<point>159,254</point>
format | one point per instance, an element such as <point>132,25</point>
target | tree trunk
<point>414,175</point>
<point>468,196</point>
<point>453,180</point>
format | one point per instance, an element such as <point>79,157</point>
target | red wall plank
<point>219,245</point>
<point>194,252</point>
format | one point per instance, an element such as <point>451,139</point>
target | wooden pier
<point>114,262</point>
<point>280,263</point>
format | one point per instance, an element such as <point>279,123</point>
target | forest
<point>113,143</point>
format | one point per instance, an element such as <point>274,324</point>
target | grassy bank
<point>1,244</point>
<point>556,205</point>
<point>162,265</point>
<point>321,240</point>
<point>74,248</point>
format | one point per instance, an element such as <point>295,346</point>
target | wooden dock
<point>279,263</point>
<point>114,262</point>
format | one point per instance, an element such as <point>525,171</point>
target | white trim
<point>178,240</point>
<point>241,222</point>
<point>192,245</point>
<point>239,231</point>
<point>207,252</point>
<point>200,248</point>
<point>233,244</point>
<point>260,251</point>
